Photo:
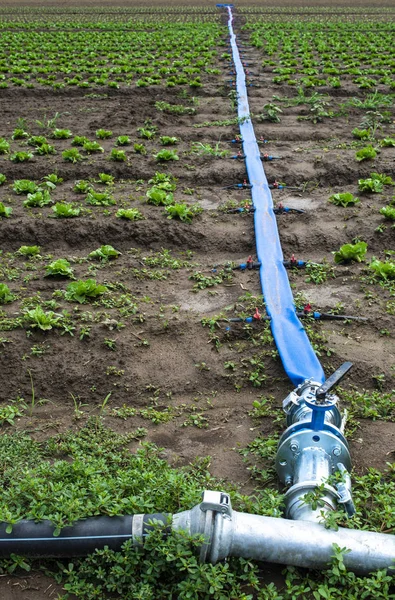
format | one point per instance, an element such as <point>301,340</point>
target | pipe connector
<point>212,518</point>
<point>312,450</point>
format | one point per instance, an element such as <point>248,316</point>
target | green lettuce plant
<point>99,199</point>
<point>166,155</point>
<point>39,318</point>
<point>59,268</point>
<point>388,212</point>
<point>39,198</point>
<point>131,214</point>
<point>343,199</point>
<point>5,294</point>
<point>104,253</point>
<point>367,153</point>
<point>64,210</point>
<point>383,269</point>
<point>351,252</point>
<point>72,155</point>
<point>183,212</point>
<point>159,197</point>
<point>29,251</point>
<point>83,291</point>
<point>21,157</point>
<point>5,211</point>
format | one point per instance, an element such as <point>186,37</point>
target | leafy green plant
<point>3,178</point>
<point>362,134</point>
<point>37,140</point>
<point>41,319</point>
<point>62,134</point>
<point>59,268</point>
<point>131,214</point>
<point>39,198</point>
<point>91,147</point>
<point>72,155</point>
<point>4,146</point>
<point>8,414</point>
<point>175,109</point>
<point>64,210</point>
<point>19,134</point>
<point>118,155</point>
<point>79,140</point>
<point>370,186</point>
<point>166,155</point>
<point>24,186</point>
<point>388,212</point>
<point>53,178</point>
<point>183,212</point>
<point>45,150</point>
<point>148,132</point>
<point>5,294</point>
<point>5,211</point>
<point>104,253</point>
<point>351,252</point>
<point>82,186</point>
<point>164,181</point>
<point>367,153</point>
<point>29,250</point>
<point>21,156</point>
<point>123,140</point>
<point>106,179</point>
<point>318,273</point>
<point>167,140</point>
<point>382,178</point>
<point>383,269</point>
<point>387,142</point>
<point>343,199</point>
<point>207,150</point>
<point>103,134</point>
<point>82,291</point>
<point>271,113</point>
<point>99,198</point>
<point>140,149</point>
<point>159,197</point>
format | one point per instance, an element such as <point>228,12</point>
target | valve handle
<point>333,380</point>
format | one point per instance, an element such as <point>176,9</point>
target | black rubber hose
<point>83,537</point>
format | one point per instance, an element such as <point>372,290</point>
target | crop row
<point>86,57</point>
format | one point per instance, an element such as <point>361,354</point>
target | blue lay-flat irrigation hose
<point>297,355</point>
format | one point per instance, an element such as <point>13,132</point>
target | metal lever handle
<point>333,380</point>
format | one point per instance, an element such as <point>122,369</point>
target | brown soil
<point>162,354</point>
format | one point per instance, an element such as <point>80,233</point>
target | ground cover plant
<point>126,387</point>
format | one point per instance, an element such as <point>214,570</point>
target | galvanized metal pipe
<point>298,543</point>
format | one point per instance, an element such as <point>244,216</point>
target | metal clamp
<point>218,502</point>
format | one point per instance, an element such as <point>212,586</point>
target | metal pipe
<point>299,543</point>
